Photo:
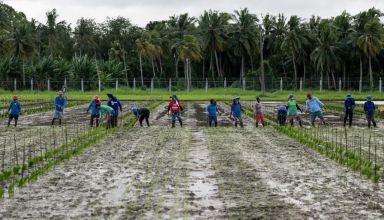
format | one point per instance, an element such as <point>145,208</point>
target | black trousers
<point>142,117</point>
<point>95,116</point>
<point>350,118</point>
<point>281,116</point>
<point>115,117</point>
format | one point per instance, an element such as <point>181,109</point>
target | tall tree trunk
<point>190,73</point>
<point>203,68</point>
<point>153,68</point>
<point>211,62</point>
<point>141,72</point>
<point>217,65</point>
<point>125,70</point>
<point>80,52</point>
<point>304,75</point>
<point>344,73</point>
<point>334,80</point>
<point>23,74</point>
<point>161,65</point>
<point>251,63</point>
<point>294,67</point>
<point>242,68</point>
<point>285,73</point>
<point>361,74</point>
<point>328,80</point>
<point>370,71</point>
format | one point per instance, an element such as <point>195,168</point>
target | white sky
<point>140,12</point>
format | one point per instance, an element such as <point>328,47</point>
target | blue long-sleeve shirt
<point>314,104</point>
<point>59,102</point>
<point>93,106</point>
<point>282,110</point>
<point>114,103</point>
<point>212,110</point>
<point>14,108</point>
<point>369,107</point>
<point>349,105</point>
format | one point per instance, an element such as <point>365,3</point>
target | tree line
<point>214,45</point>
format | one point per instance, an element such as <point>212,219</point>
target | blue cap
<point>369,98</point>
<point>291,97</point>
<point>258,98</point>
<point>348,96</point>
<point>134,109</point>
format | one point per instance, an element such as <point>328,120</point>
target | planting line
<point>150,150</point>
<point>161,166</point>
<point>96,136</point>
<point>133,203</point>
<point>133,153</point>
<point>167,179</point>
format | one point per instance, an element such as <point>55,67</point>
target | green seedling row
<point>336,153</point>
<point>7,174</point>
<point>42,109</point>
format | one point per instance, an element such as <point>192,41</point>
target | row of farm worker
<point>289,111</point>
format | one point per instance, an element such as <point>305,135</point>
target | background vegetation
<point>215,45</point>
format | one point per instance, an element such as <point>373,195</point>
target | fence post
<point>360,86</point>
<point>170,85</point>
<point>49,86</point>
<point>206,84</point>
<point>65,82</point>
<point>82,85</point>
<point>134,84</point>
<point>31,84</point>
<point>243,85</point>
<point>14,84</point>
<point>339,84</point>
<point>321,84</point>
<point>99,85</point>
<point>301,84</point>
<point>281,84</point>
<point>225,83</point>
<point>380,85</point>
<point>151,84</point>
<point>117,84</point>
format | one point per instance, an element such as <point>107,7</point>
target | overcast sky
<point>140,12</point>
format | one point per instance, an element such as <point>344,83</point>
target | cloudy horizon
<point>144,11</point>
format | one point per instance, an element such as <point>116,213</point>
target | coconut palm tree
<point>294,41</point>
<point>326,54</point>
<point>214,33</point>
<point>53,29</point>
<point>372,42</point>
<point>244,36</point>
<point>84,33</point>
<point>189,51</point>
<point>141,45</point>
<point>22,43</point>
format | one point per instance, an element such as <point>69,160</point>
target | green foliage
<point>236,85</point>
<point>143,88</point>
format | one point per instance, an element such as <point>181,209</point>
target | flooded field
<point>193,172</point>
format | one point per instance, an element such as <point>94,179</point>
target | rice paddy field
<point>75,171</point>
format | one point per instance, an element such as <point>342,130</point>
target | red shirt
<point>175,106</point>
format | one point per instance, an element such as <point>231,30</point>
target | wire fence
<point>179,84</point>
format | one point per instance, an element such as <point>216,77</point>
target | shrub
<point>143,87</point>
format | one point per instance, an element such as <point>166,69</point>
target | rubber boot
<point>257,124</point>
<point>215,124</point>
<point>241,124</point>
<point>15,122</point>
<point>236,124</point>
<point>141,124</point>
<point>301,124</point>
<point>210,124</point>
<point>9,122</point>
<point>59,121</point>
<point>374,124</point>
<point>181,123</point>
<point>263,124</point>
<point>53,120</point>
<point>173,124</point>
<point>291,122</point>
<point>148,123</point>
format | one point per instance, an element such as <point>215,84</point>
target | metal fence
<point>180,84</point>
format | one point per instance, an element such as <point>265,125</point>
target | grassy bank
<point>201,94</point>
